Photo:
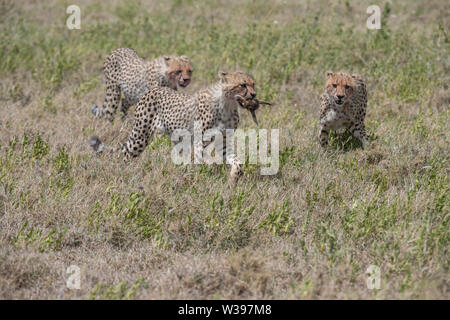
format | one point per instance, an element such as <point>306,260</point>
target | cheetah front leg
<point>112,100</point>
<point>231,159</point>
<point>198,143</point>
<point>359,132</point>
<point>323,135</point>
<point>236,171</point>
<point>143,129</point>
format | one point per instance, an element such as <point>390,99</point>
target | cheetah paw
<point>235,174</point>
<point>96,144</point>
<point>96,111</point>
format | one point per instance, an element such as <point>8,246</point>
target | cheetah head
<point>237,84</point>
<point>179,71</point>
<point>340,87</point>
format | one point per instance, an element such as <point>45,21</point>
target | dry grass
<point>151,229</point>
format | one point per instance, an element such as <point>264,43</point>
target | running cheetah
<point>214,107</point>
<point>343,105</point>
<point>126,72</point>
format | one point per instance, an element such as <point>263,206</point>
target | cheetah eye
<point>334,85</point>
<point>178,71</point>
<point>347,87</point>
<point>243,85</point>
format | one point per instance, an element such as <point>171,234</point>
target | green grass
<point>152,229</point>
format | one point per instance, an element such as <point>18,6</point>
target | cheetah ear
<point>185,58</point>
<point>329,73</point>
<point>167,58</point>
<point>222,75</point>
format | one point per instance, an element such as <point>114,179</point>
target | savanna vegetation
<point>151,229</point>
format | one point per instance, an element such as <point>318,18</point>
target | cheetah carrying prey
<point>215,107</point>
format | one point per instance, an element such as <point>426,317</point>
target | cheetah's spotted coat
<point>343,105</point>
<point>126,72</point>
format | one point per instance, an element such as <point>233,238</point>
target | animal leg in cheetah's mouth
<point>251,105</point>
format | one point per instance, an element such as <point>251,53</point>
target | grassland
<point>151,229</point>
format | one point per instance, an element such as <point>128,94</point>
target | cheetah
<point>166,110</point>
<point>343,105</point>
<point>126,72</point>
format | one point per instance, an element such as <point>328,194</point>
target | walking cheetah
<point>166,110</point>
<point>125,71</point>
<point>343,105</point>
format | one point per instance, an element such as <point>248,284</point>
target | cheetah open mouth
<point>339,102</point>
<point>246,103</point>
<point>185,83</point>
<point>240,101</point>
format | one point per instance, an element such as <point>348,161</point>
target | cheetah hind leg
<point>126,104</point>
<point>112,100</point>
